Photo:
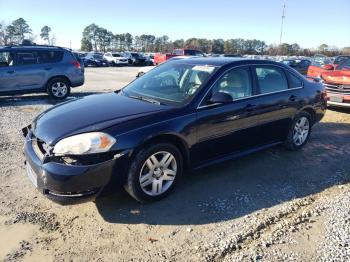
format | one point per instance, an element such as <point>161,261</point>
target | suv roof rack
<point>32,45</point>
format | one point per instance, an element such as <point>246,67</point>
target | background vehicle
<point>183,114</point>
<point>115,59</point>
<point>300,65</point>
<point>39,68</point>
<point>95,59</point>
<point>337,83</point>
<point>160,58</point>
<point>135,58</point>
<point>143,70</point>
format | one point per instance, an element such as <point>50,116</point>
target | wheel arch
<point>170,138</point>
<point>58,76</point>
<point>312,113</point>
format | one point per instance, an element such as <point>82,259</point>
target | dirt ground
<point>274,205</point>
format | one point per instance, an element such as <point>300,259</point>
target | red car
<point>160,58</point>
<point>336,78</point>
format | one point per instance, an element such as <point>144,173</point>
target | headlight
<point>88,143</point>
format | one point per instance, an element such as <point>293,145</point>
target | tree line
<point>97,38</point>
<point>18,30</point>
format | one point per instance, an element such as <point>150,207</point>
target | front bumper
<point>67,184</point>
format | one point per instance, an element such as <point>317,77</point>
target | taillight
<point>76,64</point>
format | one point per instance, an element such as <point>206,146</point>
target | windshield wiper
<point>147,99</point>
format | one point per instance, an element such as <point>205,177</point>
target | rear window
<point>50,56</point>
<point>27,57</point>
<point>271,79</point>
<point>31,57</point>
<point>294,81</point>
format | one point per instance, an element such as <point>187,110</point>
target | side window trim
<point>255,84</point>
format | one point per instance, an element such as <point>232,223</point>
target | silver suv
<point>35,68</point>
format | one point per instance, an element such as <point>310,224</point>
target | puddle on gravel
<point>12,235</point>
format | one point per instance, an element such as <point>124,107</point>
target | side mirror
<point>328,67</point>
<point>220,98</point>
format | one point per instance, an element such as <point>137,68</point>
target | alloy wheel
<point>301,130</point>
<point>158,173</point>
<point>59,89</point>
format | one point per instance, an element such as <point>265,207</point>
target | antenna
<point>283,17</point>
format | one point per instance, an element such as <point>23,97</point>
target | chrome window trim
<point>252,96</point>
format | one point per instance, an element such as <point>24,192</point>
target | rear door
<point>30,73</point>
<point>278,102</point>
<point>7,71</point>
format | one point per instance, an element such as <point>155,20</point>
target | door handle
<point>11,71</point>
<point>292,98</point>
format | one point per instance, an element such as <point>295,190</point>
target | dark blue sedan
<point>182,114</point>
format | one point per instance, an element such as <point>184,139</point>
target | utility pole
<point>283,17</point>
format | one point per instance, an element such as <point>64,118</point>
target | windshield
<point>116,55</point>
<point>171,83</point>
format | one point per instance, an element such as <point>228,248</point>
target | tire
<point>157,182</point>
<point>299,132</point>
<point>58,88</point>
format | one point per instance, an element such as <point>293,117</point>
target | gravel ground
<point>274,205</point>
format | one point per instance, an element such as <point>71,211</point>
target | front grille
<point>338,89</point>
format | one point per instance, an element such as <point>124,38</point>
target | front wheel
<point>300,131</point>
<point>58,88</point>
<point>154,172</point>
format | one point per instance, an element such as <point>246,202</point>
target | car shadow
<point>239,187</point>
<point>38,99</point>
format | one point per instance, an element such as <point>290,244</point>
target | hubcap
<point>301,131</point>
<point>158,173</point>
<point>59,89</point>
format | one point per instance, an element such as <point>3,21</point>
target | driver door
<point>227,128</point>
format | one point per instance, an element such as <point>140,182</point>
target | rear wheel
<point>58,88</point>
<point>154,172</point>
<point>300,131</point>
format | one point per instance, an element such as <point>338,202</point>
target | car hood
<point>341,77</point>
<point>88,114</point>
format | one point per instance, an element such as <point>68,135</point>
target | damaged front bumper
<point>70,181</point>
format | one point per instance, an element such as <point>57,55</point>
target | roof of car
<point>222,61</point>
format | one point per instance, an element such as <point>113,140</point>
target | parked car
<point>95,59</point>
<point>39,68</point>
<point>301,65</point>
<point>161,58</point>
<point>115,59</point>
<point>336,79</point>
<point>183,114</point>
<point>135,58</point>
<point>143,70</point>
<point>149,59</point>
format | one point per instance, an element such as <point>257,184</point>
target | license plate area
<point>337,99</point>
<point>31,175</point>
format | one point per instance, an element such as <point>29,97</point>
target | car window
<point>237,83</point>
<point>50,56</point>
<point>6,59</point>
<point>344,65</point>
<point>294,81</point>
<point>271,79</point>
<point>27,57</point>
